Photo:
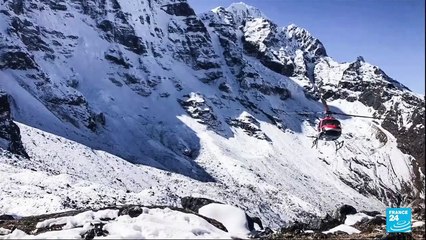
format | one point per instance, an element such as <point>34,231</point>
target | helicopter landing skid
<point>338,144</point>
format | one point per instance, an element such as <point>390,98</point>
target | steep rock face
<point>305,41</point>
<point>127,46</point>
<point>10,137</point>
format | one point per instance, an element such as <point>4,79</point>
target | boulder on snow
<point>342,211</point>
<point>132,211</point>
<point>236,220</point>
<point>194,203</point>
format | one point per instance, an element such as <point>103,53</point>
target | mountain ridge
<point>203,101</point>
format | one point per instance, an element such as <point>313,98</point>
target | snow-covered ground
<point>151,224</point>
<point>276,181</point>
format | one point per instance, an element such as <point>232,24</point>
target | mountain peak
<point>294,28</point>
<point>360,59</point>
<point>243,11</point>
<point>305,38</point>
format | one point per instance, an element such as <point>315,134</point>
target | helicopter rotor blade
<point>308,113</point>
<point>333,113</point>
<point>354,115</point>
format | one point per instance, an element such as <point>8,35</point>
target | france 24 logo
<point>398,220</point>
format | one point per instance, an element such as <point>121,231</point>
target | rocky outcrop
<point>409,137</point>
<point>250,126</point>
<point>267,47</point>
<point>179,9</point>
<point>305,41</point>
<point>197,107</point>
<point>16,60</point>
<point>194,204</point>
<point>10,137</point>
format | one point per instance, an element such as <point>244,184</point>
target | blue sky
<point>387,33</point>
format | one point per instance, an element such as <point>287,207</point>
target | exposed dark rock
<point>197,26</point>
<point>372,99</point>
<point>369,225</point>
<point>268,60</point>
<point>211,76</point>
<point>409,139</point>
<point>9,131</point>
<point>106,26</point>
<point>143,87</point>
<point>16,60</point>
<point>197,107</point>
<point>194,203</point>
<point>224,87</point>
<point>96,231</point>
<point>57,5</point>
<point>17,6</point>
<point>119,60</point>
<point>398,236</point>
<point>128,38</point>
<point>122,32</point>
<point>264,234</point>
<point>74,100</point>
<point>295,228</point>
<point>344,210</point>
<point>250,126</point>
<point>6,217</point>
<point>179,9</point>
<point>28,224</point>
<point>306,41</point>
<point>286,69</point>
<point>96,120</point>
<point>29,34</point>
<point>418,209</point>
<point>284,93</point>
<point>251,221</point>
<point>132,211</point>
<point>329,222</point>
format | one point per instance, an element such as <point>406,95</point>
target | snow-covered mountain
<point>144,102</point>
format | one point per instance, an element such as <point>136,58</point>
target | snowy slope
<point>144,102</point>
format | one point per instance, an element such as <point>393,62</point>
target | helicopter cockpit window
<point>331,122</point>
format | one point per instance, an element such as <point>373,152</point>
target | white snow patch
<point>79,219</point>
<point>418,224</point>
<point>354,218</point>
<point>152,223</point>
<point>233,218</point>
<point>343,228</point>
<point>163,224</point>
<point>4,231</point>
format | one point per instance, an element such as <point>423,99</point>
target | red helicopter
<point>329,128</point>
